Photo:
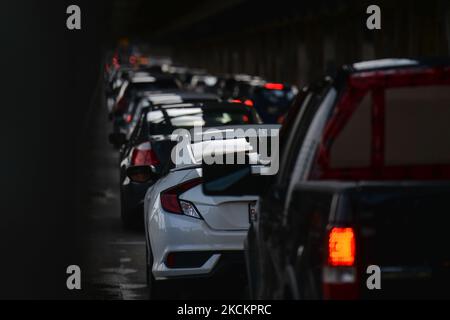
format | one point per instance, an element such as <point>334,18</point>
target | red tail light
<point>133,59</point>
<point>144,155</point>
<point>115,62</point>
<point>341,247</point>
<point>128,118</point>
<point>340,273</point>
<point>274,86</point>
<point>248,102</point>
<point>235,101</point>
<point>169,197</point>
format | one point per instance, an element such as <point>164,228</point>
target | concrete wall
<point>304,48</point>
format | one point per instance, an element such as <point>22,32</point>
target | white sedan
<point>190,234</point>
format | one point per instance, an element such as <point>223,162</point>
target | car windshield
<point>165,121</point>
<point>277,96</point>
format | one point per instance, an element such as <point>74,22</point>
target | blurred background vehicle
<point>131,89</point>
<point>146,99</point>
<point>114,81</point>
<point>233,86</point>
<point>204,83</point>
<point>272,100</point>
<point>190,235</point>
<point>152,141</point>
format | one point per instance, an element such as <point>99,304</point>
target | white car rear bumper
<point>172,233</point>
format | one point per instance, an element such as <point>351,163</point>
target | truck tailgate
<point>404,229</point>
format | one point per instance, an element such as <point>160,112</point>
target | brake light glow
<point>281,119</point>
<point>340,276</point>
<point>235,101</point>
<point>171,203</point>
<point>144,155</point>
<point>128,118</point>
<point>341,247</point>
<point>133,60</point>
<point>115,62</point>
<point>248,102</point>
<point>274,86</point>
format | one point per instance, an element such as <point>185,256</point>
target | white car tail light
<point>170,201</point>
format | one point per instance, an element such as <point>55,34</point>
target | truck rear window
<point>416,131</point>
<point>417,127</point>
<point>391,127</point>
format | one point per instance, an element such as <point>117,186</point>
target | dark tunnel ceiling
<point>150,18</point>
<point>173,20</point>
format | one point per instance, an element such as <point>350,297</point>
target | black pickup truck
<point>359,207</point>
<point>336,231</point>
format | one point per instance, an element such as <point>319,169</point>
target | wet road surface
<point>115,257</point>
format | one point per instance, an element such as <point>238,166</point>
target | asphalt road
<point>115,257</point>
<point>114,266</point>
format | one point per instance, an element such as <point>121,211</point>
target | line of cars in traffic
<point>363,180</point>
<point>187,233</point>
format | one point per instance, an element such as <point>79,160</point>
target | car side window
<point>302,161</point>
<point>143,130</point>
<point>297,134</point>
<point>137,133</point>
<point>313,136</point>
